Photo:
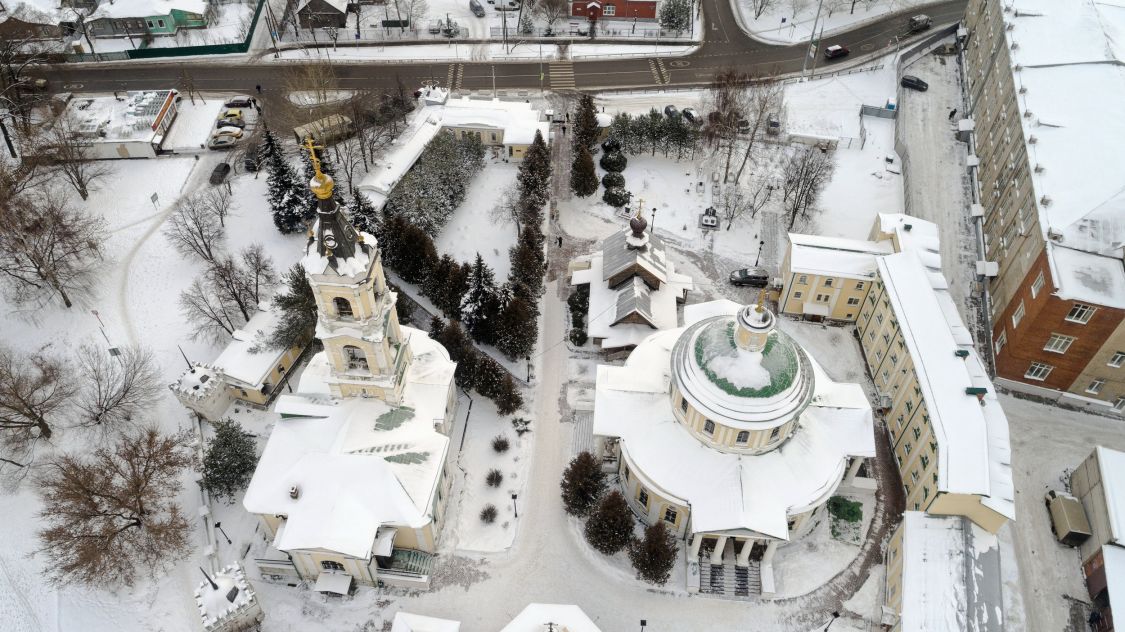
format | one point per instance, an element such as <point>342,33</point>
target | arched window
<point>343,307</point>
<point>709,427</point>
<point>355,358</point>
<point>743,436</point>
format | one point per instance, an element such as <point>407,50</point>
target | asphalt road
<point>725,45</point>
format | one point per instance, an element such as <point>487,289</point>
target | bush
<point>843,509</point>
<point>521,425</point>
<point>578,337</point>
<point>230,460</point>
<point>494,478</point>
<point>611,145</point>
<point>614,161</point>
<point>610,527</point>
<point>500,443</point>
<point>654,555</point>
<point>617,197</point>
<point>613,180</point>
<point>488,514</point>
<point>582,484</point>
<point>579,304</point>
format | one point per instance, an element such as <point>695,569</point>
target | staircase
<point>728,580</point>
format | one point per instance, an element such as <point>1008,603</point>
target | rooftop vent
<point>961,353</point>
<point>1009,26</point>
<point>1045,200</point>
<point>1027,114</point>
<point>1031,140</point>
<point>1038,168</point>
<point>907,227</point>
<point>294,492</point>
<point>1023,89</point>
<point>1015,45</point>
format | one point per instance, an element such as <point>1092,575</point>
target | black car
<point>670,111</point>
<point>914,83</point>
<point>753,277</point>
<point>222,170</point>
<point>836,51</point>
<point>251,159</point>
<point>230,122</point>
<point>241,101</point>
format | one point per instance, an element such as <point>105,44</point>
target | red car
<point>836,51</point>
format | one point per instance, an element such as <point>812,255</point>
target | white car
<point>232,132</point>
<point>222,142</point>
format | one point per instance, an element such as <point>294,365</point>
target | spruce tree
<point>364,216</point>
<point>586,123</point>
<point>583,178</point>
<point>445,285</point>
<point>517,329</point>
<point>481,304</point>
<point>287,196</point>
<point>461,351</point>
<point>534,173</point>
<point>654,555</point>
<point>229,461</point>
<point>610,527</point>
<point>297,323</point>
<point>507,396</point>
<point>583,483</point>
<point>437,327</point>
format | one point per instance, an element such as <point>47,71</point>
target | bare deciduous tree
<point>551,10</point>
<point>736,201</point>
<point>33,389</point>
<point>805,175</point>
<point>761,6</point>
<point>507,209</point>
<point>726,106</point>
<point>71,156</point>
<point>196,225</point>
<point>115,389</point>
<point>349,161</point>
<point>258,273</point>
<point>110,514</point>
<point>210,316</point>
<point>764,98</point>
<point>48,248</point>
<point>229,292</point>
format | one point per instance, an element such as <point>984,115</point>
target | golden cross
<point>308,144</point>
<point>640,206</point>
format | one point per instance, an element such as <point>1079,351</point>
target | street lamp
<point>514,508</point>
<point>219,526</point>
<point>529,369</point>
<point>835,615</point>
<point>653,227</point>
<point>760,244</point>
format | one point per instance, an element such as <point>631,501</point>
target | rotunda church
<point>733,435</point>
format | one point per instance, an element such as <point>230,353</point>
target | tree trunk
<point>65,298</point>
<point>44,429</point>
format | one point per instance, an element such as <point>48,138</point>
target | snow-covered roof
<point>729,491</point>
<point>606,303</point>
<point>618,256</point>
<point>108,120</point>
<point>35,12</point>
<point>913,234</point>
<point>405,150</point>
<point>835,256</point>
<point>217,604</point>
<point>566,618</point>
<point>974,452</point>
<point>1113,557</point>
<point>950,576</point>
<point>1069,69</point>
<point>1111,468</point>
<point>357,463</point>
<point>407,622</point>
<point>339,5</point>
<point>144,8</point>
<point>1087,277</point>
<point>517,118</point>
<point>249,358</point>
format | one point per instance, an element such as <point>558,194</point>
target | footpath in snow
<point>463,51</point>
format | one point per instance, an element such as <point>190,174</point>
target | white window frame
<point>797,294</point>
<point>803,279</point>
<point>1037,285</point>
<point>1058,343</point>
<point>1038,371</point>
<point>828,282</point>
<point>1018,315</point>
<point>1117,359</point>
<point>1095,386</point>
<point>609,10</point>
<point>1081,313</point>
<point>853,300</point>
<point>1119,403</point>
<point>1001,340</point>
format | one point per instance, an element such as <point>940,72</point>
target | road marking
<point>679,63</point>
<point>449,76</point>
<point>459,76</point>
<point>562,75</point>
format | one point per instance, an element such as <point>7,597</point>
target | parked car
<point>220,173</point>
<point>773,124</point>
<point>435,26</point>
<point>691,116</point>
<point>670,111</point>
<point>743,126</point>
<point>222,142</point>
<point>920,22</point>
<point>507,5</point>
<point>232,113</point>
<point>914,83</point>
<point>251,159</point>
<point>836,51</point>
<point>753,277</point>
<point>241,101</point>
<point>221,123</point>
<point>476,8</point>
<point>233,132</point>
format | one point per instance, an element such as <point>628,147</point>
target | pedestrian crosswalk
<point>562,75</point>
<point>659,72</point>
<point>455,76</point>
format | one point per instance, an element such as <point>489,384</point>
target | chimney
<point>294,492</point>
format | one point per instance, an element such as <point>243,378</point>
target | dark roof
<point>635,298</point>
<point>335,238</point>
<point>618,257</point>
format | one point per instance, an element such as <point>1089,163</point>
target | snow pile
<point>407,622</point>
<point>119,9</point>
<point>743,369</point>
<point>1069,67</point>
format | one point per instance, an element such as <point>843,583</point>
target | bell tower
<point>356,319</point>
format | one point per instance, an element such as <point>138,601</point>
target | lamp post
<point>835,615</point>
<point>653,227</point>
<point>529,369</point>
<point>760,244</point>
<point>219,526</point>
<point>515,509</point>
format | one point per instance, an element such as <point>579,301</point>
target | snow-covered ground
<point>229,26</point>
<point>194,123</point>
<point>481,52</point>
<point>476,226</point>
<point>788,22</point>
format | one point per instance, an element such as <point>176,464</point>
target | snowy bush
<point>494,478</point>
<point>611,144</point>
<point>500,444</point>
<point>610,527</point>
<point>521,425</point>
<point>433,188</point>
<point>843,509</point>
<point>613,179</point>
<point>614,161</point>
<point>578,336</point>
<point>582,484</point>
<point>617,197</point>
<point>488,514</point>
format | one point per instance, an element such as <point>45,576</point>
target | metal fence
<point>624,31</point>
<point>328,36</point>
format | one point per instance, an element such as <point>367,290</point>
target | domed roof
<point>740,386</point>
<point>638,224</point>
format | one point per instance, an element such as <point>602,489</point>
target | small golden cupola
<point>335,237</point>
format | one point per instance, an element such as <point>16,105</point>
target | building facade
<point>1055,233</point>
<point>614,9</point>
<point>130,20</point>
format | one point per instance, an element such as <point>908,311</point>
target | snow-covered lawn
<point>194,124</point>
<point>230,25</point>
<point>799,16</point>
<point>476,227</point>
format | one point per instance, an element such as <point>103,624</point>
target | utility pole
<point>812,34</point>
<point>812,73</point>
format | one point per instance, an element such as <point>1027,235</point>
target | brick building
<point>614,9</point>
<point>1043,81</point>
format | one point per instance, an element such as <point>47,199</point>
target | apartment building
<point>1044,81</point>
<point>948,432</point>
<point>829,278</point>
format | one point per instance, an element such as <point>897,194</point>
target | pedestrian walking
<point>952,113</point>
<point>560,241</point>
<point>258,88</point>
<point>568,117</point>
<point>564,130</point>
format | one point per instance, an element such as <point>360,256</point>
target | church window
<point>355,358</point>
<point>330,565</point>
<point>343,307</point>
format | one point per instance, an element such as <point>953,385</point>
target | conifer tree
<point>507,397</point>
<point>229,462</point>
<point>583,483</point>
<point>517,329</point>
<point>534,174</point>
<point>287,196</point>
<point>610,527</point>
<point>297,304</point>
<point>445,285</point>
<point>583,178</point>
<point>654,555</point>
<point>364,216</point>
<point>586,123</point>
<point>482,302</point>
